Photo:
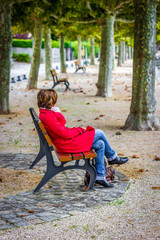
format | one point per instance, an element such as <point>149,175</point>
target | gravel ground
<point>136,215</point>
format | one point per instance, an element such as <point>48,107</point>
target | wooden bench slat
<point>48,140</point>
<point>42,127</point>
<point>90,154</point>
<point>77,156</point>
<point>64,157</point>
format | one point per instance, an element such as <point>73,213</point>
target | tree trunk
<point>5,51</point>
<point>113,56</point>
<point>129,52</point>
<point>126,52</point>
<point>143,106</point>
<point>120,52</point>
<point>79,50</point>
<point>132,52</point>
<point>123,51</point>
<point>62,56</point>
<point>92,51</point>
<point>104,87</point>
<point>48,52</point>
<point>33,76</point>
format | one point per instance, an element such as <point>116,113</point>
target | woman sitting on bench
<point>76,139</point>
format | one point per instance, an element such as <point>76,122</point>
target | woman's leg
<point>99,147</point>
<point>110,154</point>
<point>108,151</point>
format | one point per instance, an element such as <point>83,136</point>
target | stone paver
<point>61,197</point>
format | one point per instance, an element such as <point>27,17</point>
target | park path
<point>136,213</point>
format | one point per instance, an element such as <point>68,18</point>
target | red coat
<point>71,140</point>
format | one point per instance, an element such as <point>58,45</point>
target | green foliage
<point>23,43</point>
<point>27,43</point>
<point>21,57</point>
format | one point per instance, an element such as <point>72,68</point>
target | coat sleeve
<point>64,132</point>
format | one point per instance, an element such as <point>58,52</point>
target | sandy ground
<point>136,215</point>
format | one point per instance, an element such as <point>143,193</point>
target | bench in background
<point>79,67</point>
<point>46,148</point>
<point>57,81</point>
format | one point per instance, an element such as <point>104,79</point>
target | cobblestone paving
<point>61,197</point>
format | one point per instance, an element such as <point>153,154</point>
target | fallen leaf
<point>2,123</point>
<point>33,129</point>
<point>156,188</point>
<point>25,95</point>
<point>85,188</point>
<point>20,123</point>
<point>31,211</point>
<point>157,158</point>
<point>135,156</point>
<point>10,118</point>
<point>87,103</point>
<point>120,154</point>
<point>97,118</point>
<point>64,110</point>
<point>58,205</point>
<point>102,115</point>
<point>140,170</point>
<point>118,133</point>
<point>79,120</point>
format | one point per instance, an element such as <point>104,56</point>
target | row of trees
<point>80,17</point>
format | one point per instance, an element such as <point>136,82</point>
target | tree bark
<point>48,52</point>
<point>33,76</point>
<point>79,50</point>
<point>104,87</point>
<point>123,51</point>
<point>113,56</point>
<point>5,52</point>
<point>120,54</point>
<point>92,51</point>
<point>142,114</point>
<point>129,52</point>
<point>62,56</point>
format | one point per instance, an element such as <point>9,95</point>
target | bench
<point>79,67</point>
<point>57,81</point>
<point>46,149</point>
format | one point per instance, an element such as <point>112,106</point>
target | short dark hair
<point>46,98</point>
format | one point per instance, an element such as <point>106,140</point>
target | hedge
<point>21,57</point>
<point>55,44</point>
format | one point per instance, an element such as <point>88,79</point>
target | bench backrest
<point>43,135</point>
<point>53,72</point>
<point>76,63</point>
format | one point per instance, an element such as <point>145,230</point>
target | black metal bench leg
<point>40,155</point>
<point>48,175</point>
<point>92,171</point>
<point>67,85</point>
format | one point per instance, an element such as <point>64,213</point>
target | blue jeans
<point>102,148</point>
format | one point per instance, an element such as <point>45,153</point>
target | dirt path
<point>138,214</point>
